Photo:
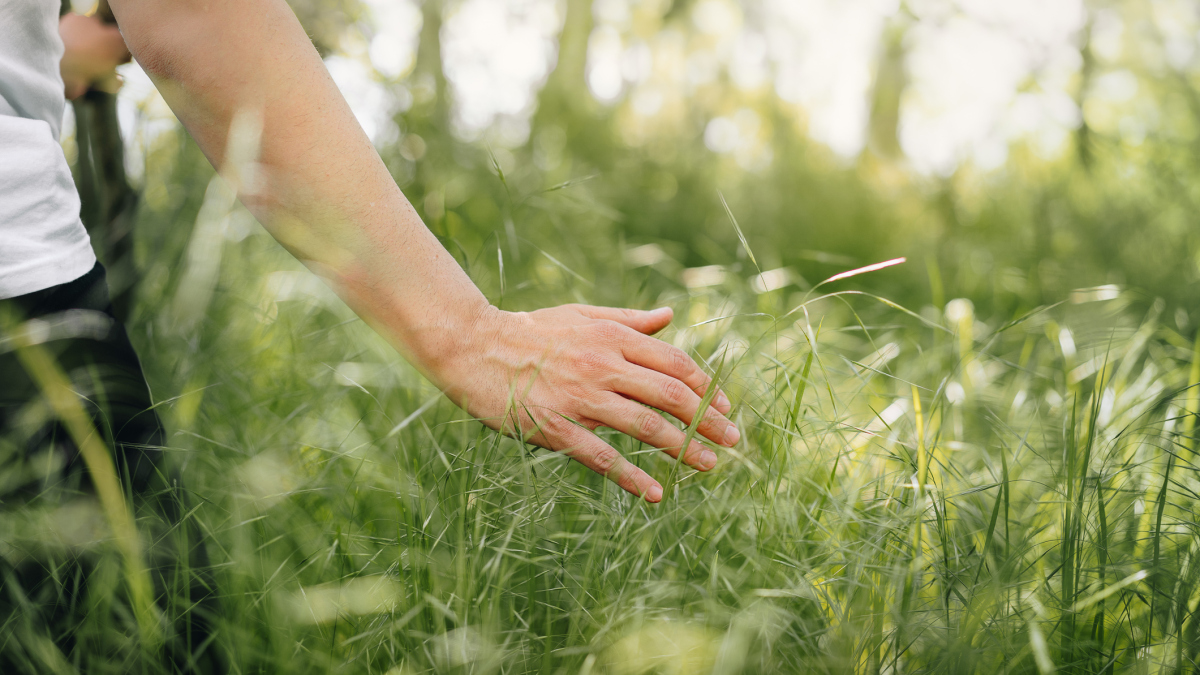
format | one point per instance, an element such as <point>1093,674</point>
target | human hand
<point>331,202</point>
<point>92,51</point>
<point>557,374</point>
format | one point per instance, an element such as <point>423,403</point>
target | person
<point>551,376</point>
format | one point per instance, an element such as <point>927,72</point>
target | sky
<point>982,73</point>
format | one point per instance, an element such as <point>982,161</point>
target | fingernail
<point>731,435</point>
<point>654,494</point>
<point>708,459</point>
<point>722,400</point>
<point>661,311</point>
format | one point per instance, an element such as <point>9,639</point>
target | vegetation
<point>980,461</point>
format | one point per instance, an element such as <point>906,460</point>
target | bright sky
<point>982,72</point>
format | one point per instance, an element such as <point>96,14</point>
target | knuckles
<point>648,424</point>
<point>679,362</point>
<point>605,462</point>
<point>552,428</point>
<point>592,362</point>
<point>674,393</point>
<point>713,425</point>
<point>607,332</point>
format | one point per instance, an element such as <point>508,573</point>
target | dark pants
<point>62,596</point>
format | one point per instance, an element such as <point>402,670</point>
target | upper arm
<point>169,37</point>
<point>137,20</point>
<point>212,58</point>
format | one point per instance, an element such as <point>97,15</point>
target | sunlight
<point>981,75</point>
<point>496,56</point>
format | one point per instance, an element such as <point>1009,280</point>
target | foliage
<point>998,483</point>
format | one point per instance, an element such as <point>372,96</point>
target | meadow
<point>920,489</point>
<point>981,460</point>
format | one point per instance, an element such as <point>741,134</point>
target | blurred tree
<point>1087,70</point>
<point>432,100</point>
<point>565,102</point>
<point>1111,205</point>
<point>891,79</point>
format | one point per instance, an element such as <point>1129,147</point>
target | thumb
<point>648,322</point>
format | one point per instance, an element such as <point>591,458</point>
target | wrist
<point>446,344</point>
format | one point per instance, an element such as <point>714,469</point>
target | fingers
<point>647,322</point>
<point>670,360</point>
<point>673,396</point>
<point>649,427</point>
<point>655,354</point>
<point>586,448</point>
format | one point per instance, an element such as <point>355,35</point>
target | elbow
<point>155,57</point>
<point>155,33</point>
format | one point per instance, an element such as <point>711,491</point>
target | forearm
<point>320,187</point>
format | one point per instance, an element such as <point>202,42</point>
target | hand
<point>93,50</point>
<point>555,375</point>
<point>330,200</point>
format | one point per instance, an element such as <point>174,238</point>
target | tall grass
<point>919,489</point>
<point>940,495</point>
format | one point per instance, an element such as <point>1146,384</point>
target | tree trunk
<point>1083,135</point>
<point>429,73</point>
<point>565,100</point>
<point>891,79</point>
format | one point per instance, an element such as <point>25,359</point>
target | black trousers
<point>63,604</point>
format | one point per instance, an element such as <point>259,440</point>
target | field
<point>981,460</point>
<point>917,490</point>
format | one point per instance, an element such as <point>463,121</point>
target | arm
<point>324,193</point>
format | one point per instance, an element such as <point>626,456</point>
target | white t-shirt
<point>42,241</point>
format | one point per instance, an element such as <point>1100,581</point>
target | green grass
<point>918,489</point>
<point>1034,513</point>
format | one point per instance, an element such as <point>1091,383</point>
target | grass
<point>918,489</point>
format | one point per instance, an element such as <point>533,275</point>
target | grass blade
<point>737,228</point>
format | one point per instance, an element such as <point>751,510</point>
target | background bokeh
<point>1013,151</point>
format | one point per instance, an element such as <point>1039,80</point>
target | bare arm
<point>325,194</point>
